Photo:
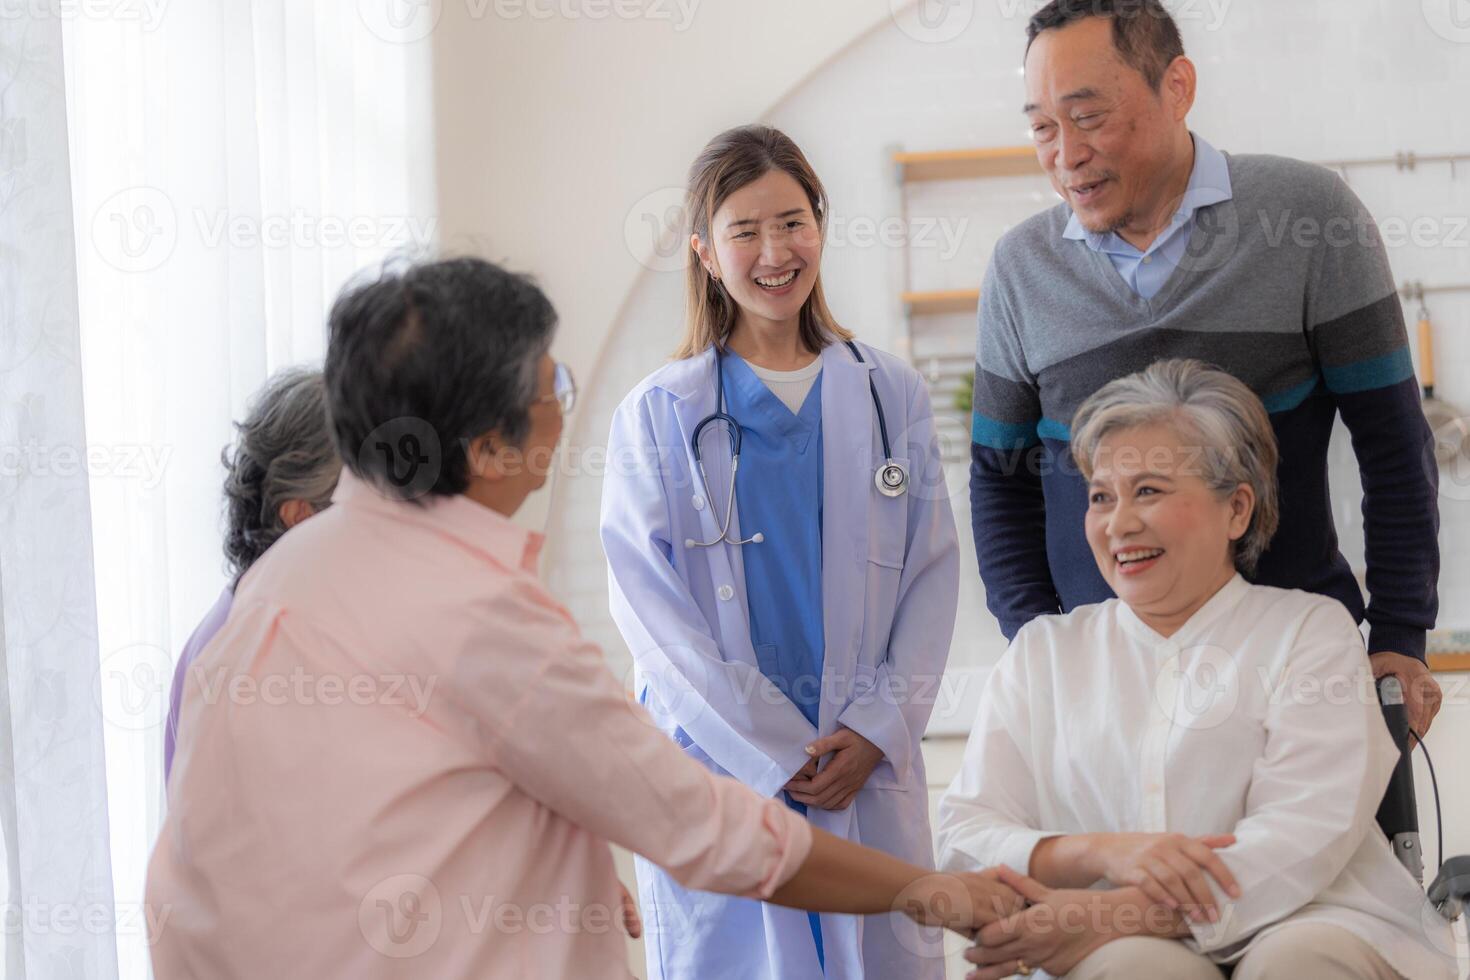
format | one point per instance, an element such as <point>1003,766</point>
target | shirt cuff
<point>793,844</point>
<point>780,772</point>
<point>1408,640</point>
<point>884,726</point>
<point>1014,852</point>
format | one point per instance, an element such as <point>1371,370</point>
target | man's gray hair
<point>1213,412</point>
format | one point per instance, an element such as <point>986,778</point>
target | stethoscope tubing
<point>891,478</point>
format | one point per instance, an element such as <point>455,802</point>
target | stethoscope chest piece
<point>891,479</point>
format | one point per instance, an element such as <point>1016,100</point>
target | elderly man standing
<point>1165,247</point>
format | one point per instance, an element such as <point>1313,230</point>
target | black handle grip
<point>1399,811</point>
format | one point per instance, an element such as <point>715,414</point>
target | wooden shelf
<point>1006,161</point>
<point>1442,663</point>
<point>942,301</point>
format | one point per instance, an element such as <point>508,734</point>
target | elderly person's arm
<point>624,780</point>
<point>1007,509</point>
<point>1355,326</point>
<point>990,814</point>
<point>1317,785</point>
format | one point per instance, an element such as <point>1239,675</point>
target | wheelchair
<point>1398,814</point>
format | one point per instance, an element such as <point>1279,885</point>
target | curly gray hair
<point>284,451</point>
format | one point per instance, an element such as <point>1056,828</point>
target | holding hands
<point>1170,869</point>
<point>963,902</point>
<point>1162,881</point>
<point>1056,930</point>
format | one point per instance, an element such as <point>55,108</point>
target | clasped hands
<point>1161,885</point>
<point>833,786</point>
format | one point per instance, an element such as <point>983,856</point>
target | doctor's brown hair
<point>732,160</point>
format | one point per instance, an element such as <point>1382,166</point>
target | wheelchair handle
<point>1398,814</point>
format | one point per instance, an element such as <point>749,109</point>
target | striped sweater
<point>1287,286</point>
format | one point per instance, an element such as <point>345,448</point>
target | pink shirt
<point>404,760</point>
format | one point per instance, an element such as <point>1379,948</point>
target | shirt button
<point>698,502</point>
<point>1147,259</point>
<point>726,593</point>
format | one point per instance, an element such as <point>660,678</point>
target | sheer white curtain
<point>58,898</point>
<point>233,163</point>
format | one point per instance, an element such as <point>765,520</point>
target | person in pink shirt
<point>404,759</point>
<point>281,470</point>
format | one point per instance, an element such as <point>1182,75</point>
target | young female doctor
<point>783,566</point>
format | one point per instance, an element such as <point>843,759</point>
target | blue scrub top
<point>778,490</point>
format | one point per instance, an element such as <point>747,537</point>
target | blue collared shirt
<point>1146,272</point>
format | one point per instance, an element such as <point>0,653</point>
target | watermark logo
<point>940,902</point>
<point>401,916</point>
<point>136,229</point>
<point>1450,19</point>
<point>400,21</point>
<point>133,686</point>
<point>1198,688</point>
<point>678,13</point>
<point>147,14</point>
<point>139,228</point>
<point>1453,445</point>
<point>406,452</point>
<point>656,230</point>
<point>932,21</point>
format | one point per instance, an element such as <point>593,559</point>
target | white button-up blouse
<point>1257,718</point>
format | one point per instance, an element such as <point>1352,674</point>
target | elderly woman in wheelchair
<point>1182,781</point>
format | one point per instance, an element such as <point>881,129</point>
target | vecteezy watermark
<point>1208,15</point>
<point>656,230</point>
<point>408,21</point>
<point>682,681</point>
<point>134,683</point>
<point>404,915</point>
<point>147,14</point>
<point>401,916</point>
<point>400,21</point>
<point>932,21</point>
<point>133,686</point>
<point>34,917</point>
<point>678,13</point>
<point>137,229</point>
<point>1307,231</point>
<point>938,21</point>
<point>1206,686</point>
<point>1450,19</point>
<point>1454,473</point>
<point>299,686</point>
<point>407,453</point>
<point>140,462</point>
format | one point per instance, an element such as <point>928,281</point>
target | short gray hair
<point>1214,411</point>
<point>283,451</point>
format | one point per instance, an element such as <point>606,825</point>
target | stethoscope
<point>891,479</point>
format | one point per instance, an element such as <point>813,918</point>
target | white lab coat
<point>890,580</point>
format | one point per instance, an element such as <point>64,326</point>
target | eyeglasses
<point>564,390</point>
